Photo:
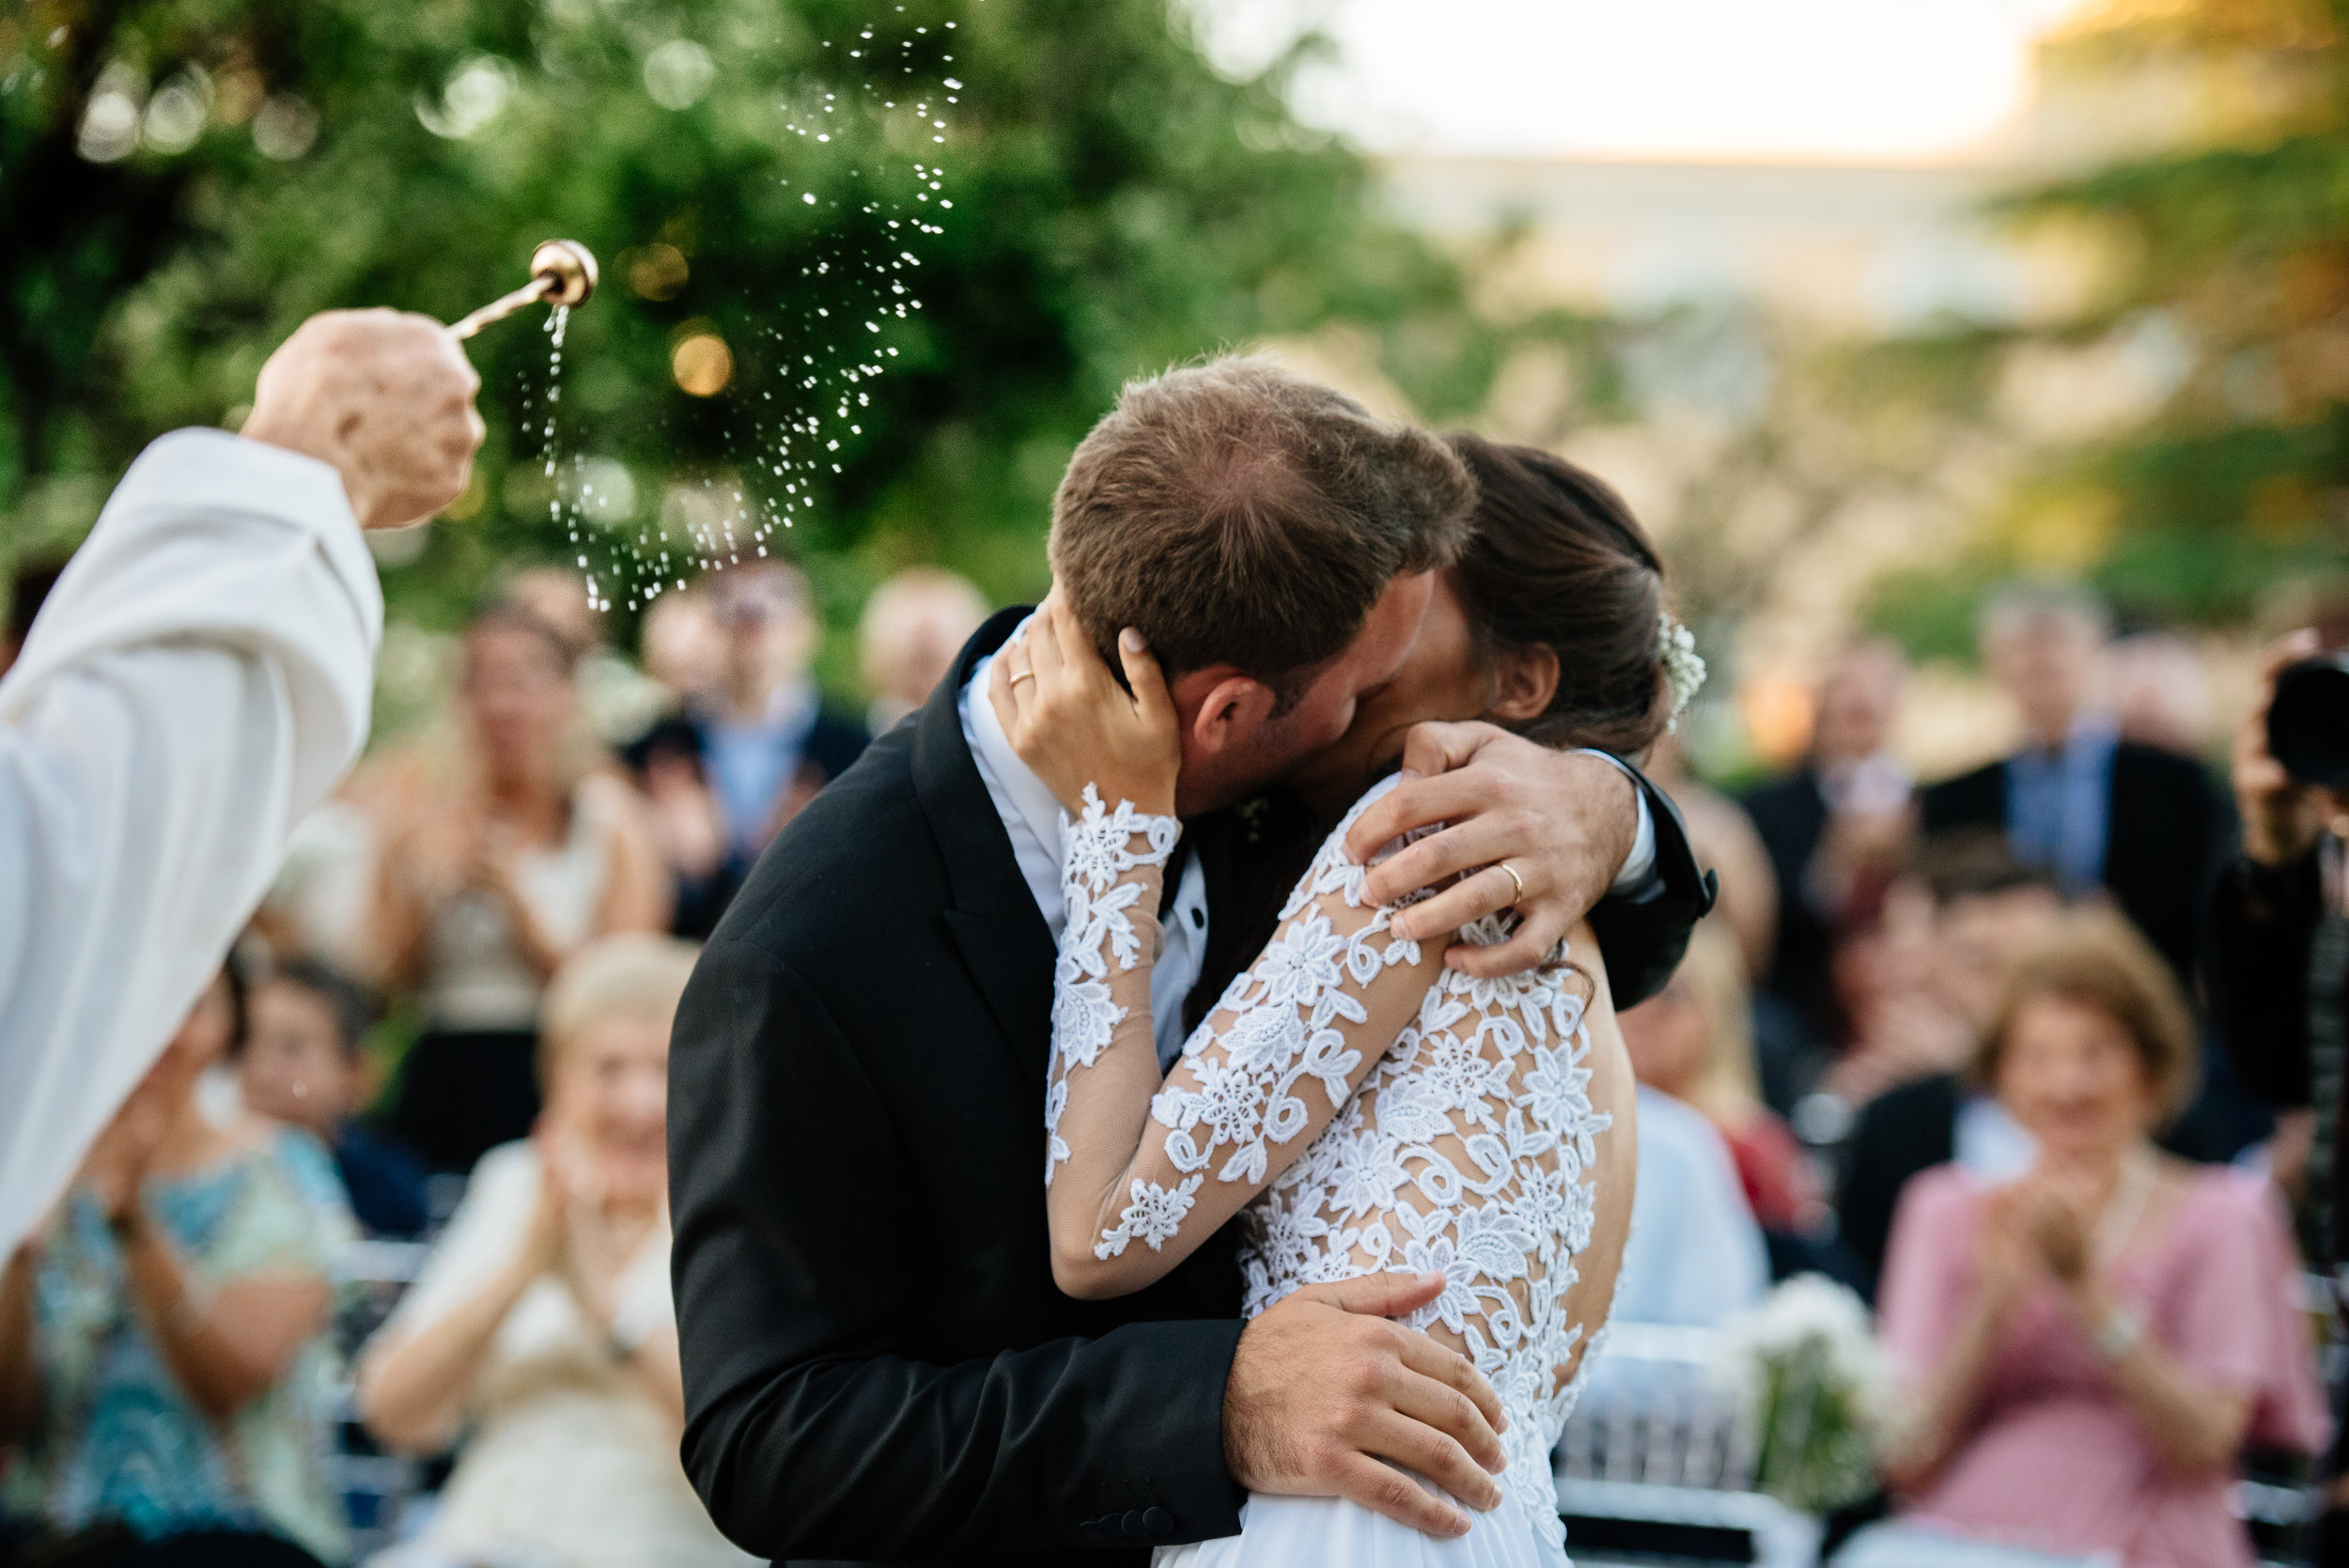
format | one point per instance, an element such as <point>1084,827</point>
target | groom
<point>878,1365</point>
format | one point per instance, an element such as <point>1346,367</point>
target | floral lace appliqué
<point>1464,1144</point>
<point>1098,848</point>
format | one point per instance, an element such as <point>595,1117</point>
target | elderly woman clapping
<point>543,1316</point>
<point>2088,1349</point>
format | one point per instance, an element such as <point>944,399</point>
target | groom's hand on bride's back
<point>1563,821</point>
<point>1323,1389</point>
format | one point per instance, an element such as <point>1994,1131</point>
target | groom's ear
<point>1220,707</point>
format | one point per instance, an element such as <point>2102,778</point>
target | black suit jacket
<point>1790,815</point>
<point>2169,831</point>
<point>878,1364</point>
<point>2263,971</point>
<point>831,749</point>
<point>1900,1132</point>
<point>2264,924</point>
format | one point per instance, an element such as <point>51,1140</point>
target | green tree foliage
<point>2227,249</point>
<point>185,180</point>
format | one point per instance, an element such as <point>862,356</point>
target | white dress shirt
<point>198,680</point>
<point>1032,819</point>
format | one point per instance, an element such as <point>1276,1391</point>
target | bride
<point>1359,1106</point>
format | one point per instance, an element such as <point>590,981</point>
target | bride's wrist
<point>1156,799</point>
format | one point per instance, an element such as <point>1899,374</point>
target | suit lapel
<point>1013,970</point>
<point>994,923</point>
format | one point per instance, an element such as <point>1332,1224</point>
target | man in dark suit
<point>878,1364</point>
<point>2146,825</point>
<point>1846,803</point>
<point>756,748</point>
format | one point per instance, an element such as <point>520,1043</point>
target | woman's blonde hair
<point>635,974</point>
<point>2096,958</point>
<point>1728,1085</point>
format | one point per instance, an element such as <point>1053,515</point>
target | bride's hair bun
<point>1556,559</point>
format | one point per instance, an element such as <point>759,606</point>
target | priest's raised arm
<point>197,681</point>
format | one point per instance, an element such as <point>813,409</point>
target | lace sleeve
<point>1134,1157</point>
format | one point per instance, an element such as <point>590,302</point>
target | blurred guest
<point>766,743</point>
<point>1896,1028</point>
<point>2088,1349</point>
<point>682,648</point>
<point>759,745</point>
<point>683,654</point>
<point>1696,1255</point>
<point>542,1327</point>
<point>1693,1041</point>
<point>2279,971</point>
<point>1846,807</point>
<point>27,591</point>
<point>497,869</point>
<point>301,1063</point>
<point>2097,811</point>
<point>913,626</point>
<point>559,599</point>
<point>2161,691</point>
<point>164,1356</point>
<point>1725,842</point>
<point>322,900</point>
<point>2279,960</point>
<point>618,700</point>
<point>1988,908</point>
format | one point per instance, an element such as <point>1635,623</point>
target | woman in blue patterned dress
<point>162,1352</point>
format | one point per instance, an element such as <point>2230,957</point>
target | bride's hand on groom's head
<point>1523,827</point>
<point>1070,721</point>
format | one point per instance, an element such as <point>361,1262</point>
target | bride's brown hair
<point>1556,560</point>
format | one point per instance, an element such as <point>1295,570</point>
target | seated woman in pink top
<point>2085,1351</point>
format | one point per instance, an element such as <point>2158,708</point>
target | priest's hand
<point>387,397</point>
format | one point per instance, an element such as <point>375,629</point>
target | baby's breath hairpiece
<point>1684,670</point>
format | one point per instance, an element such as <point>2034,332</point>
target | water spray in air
<point>800,386</point>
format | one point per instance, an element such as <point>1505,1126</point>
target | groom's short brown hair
<point>1236,514</point>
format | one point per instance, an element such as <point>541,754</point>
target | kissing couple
<point>1125,1111</point>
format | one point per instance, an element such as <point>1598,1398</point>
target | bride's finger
<point>1044,651</point>
<point>1015,655</point>
<point>1065,646</point>
<point>1077,654</point>
<point>1081,662</point>
<point>1004,693</point>
<point>1152,701</point>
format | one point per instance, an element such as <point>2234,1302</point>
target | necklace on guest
<point>2131,1191</point>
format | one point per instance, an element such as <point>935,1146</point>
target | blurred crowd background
<point>1983,472</point>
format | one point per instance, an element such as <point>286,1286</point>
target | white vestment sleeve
<point>198,680</point>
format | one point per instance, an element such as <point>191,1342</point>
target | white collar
<point>991,748</point>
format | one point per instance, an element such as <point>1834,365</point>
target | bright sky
<point>1869,81</point>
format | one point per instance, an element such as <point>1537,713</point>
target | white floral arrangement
<point>1813,1388</point>
<point>1684,667</point>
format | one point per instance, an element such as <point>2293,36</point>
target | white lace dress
<point>1360,1107</point>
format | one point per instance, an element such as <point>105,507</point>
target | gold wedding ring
<point>1024,674</point>
<point>1514,877</point>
